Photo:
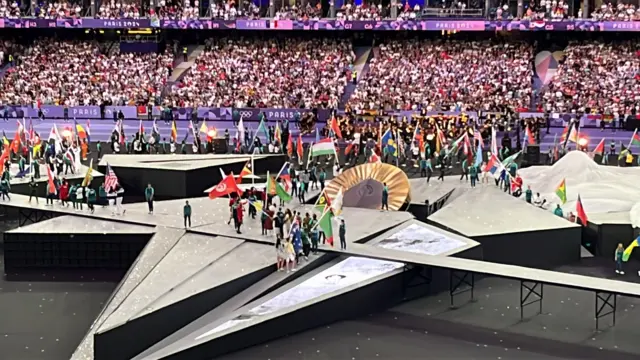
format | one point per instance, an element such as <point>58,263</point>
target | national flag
<point>262,127</point>
<point>241,129</point>
<point>494,141</point>
<point>51,186</point>
<point>80,131</point>
<point>325,223</point>
<point>258,205</point>
<point>453,148</point>
<point>5,140</point>
<point>227,186</point>
<point>289,146</point>
<point>561,191</point>
<point>282,193</point>
<point>68,155</point>
<point>88,131</point>
<point>277,133</point>
<point>317,136</point>
<point>335,127</point>
<point>203,127</point>
<point>299,149</point>
<point>32,133</point>
<point>88,176</point>
<point>349,148</point>
<point>285,174</point>
<point>246,170</point>
<point>580,212</point>
<point>270,187</point>
<point>419,137</point>
<point>569,133</point>
<point>110,179</point>
<point>478,161</point>
<point>323,201</point>
<point>493,166</point>
<point>531,140</point>
<point>388,144</point>
<point>155,131</point>
<point>324,147</point>
<point>506,162</point>
<point>174,131</point>
<point>635,138</point>
<point>441,139</point>
<point>374,158</point>
<point>336,204</point>
<point>478,136</point>
<point>599,148</point>
<point>627,252</point>
<point>140,128</point>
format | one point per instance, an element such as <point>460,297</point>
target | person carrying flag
<point>33,188</point>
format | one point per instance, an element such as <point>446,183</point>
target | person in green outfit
<point>385,197</point>
<point>35,166</point>
<point>313,228</point>
<point>186,212</point>
<point>473,174</point>
<point>558,211</point>
<point>465,170</point>
<point>99,149</point>
<point>102,196</point>
<point>91,199</point>
<point>322,177</point>
<point>342,233</point>
<point>149,192</point>
<point>33,187</point>
<point>72,195</point>
<point>4,189</point>
<point>21,164</point>
<point>528,194</point>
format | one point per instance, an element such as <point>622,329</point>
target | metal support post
<point>414,276</point>
<point>604,306</point>
<point>526,291</point>
<point>32,216</point>
<point>457,284</point>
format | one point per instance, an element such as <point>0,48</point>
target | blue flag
<point>24,172</point>
<point>478,162</point>
<point>388,144</point>
<point>317,136</point>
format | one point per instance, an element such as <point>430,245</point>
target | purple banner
<point>129,112</point>
<point>214,113</point>
<point>384,25</point>
<point>253,114</point>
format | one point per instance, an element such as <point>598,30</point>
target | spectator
<point>85,77</point>
<point>446,75</point>
<point>596,78</point>
<point>266,73</point>
<point>120,9</point>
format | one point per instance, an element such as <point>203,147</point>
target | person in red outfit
<point>64,192</point>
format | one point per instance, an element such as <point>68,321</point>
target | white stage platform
<point>436,189</point>
<point>174,162</point>
<point>487,210</point>
<point>68,224</point>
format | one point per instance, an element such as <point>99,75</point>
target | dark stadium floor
<point>46,320</point>
<point>371,339</point>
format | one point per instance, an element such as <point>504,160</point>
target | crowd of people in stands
<point>87,76</point>
<point>120,9</point>
<point>461,76</point>
<point>9,9</point>
<point>266,73</point>
<point>363,12</point>
<point>596,77</point>
<point>299,12</point>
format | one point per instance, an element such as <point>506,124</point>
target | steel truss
<point>605,306</point>
<point>461,282</point>
<point>31,216</point>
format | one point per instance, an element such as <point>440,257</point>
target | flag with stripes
<point>477,136</point>
<point>110,179</point>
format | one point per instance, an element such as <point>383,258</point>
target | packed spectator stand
<point>596,77</point>
<point>463,76</point>
<point>266,73</point>
<point>75,73</point>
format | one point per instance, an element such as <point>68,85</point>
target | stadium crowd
<point>596,77</point>
<point>87,76</point>
<point>452,75</point>
<point>119,9</point>
<point>266,73</point>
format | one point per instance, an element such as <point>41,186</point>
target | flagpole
<point>631,141</point>
<point>310,155</point>
<point>253,178</point>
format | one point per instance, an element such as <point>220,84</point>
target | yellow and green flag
<point>561,191</point>
<point>627,252</point>
<point>282,193</point>
<point>88,176</point>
